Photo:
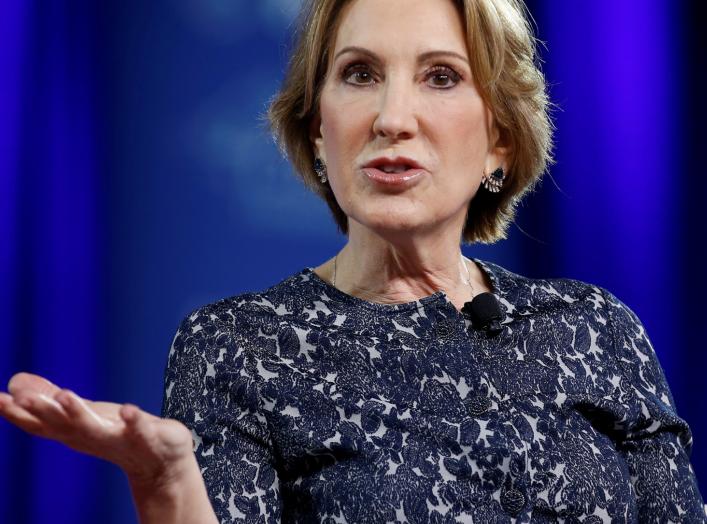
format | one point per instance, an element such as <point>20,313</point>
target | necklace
<point>468,275</point>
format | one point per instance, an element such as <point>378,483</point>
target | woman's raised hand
<point>156,454</point>
<point>142,444</point>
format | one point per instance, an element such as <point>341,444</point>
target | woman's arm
<point>155,454</point>
<point>211,387</point>
<point>656,443</point>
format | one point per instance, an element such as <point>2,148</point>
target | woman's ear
<point>499,147</point>
<point>316,138</point>
<point>499,154</point>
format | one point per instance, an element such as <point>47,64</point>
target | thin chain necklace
<point>468,275</point>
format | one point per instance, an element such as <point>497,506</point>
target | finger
<point>80,412</point>
<point>20,417</point>
<point>30,382</point>
<point>138,424</point>
<point>164,443</point>
<point>150,429</point>
<point>174,434</point>
<point>140,430</point>
<point>47,410</point>
<point>5,399</point>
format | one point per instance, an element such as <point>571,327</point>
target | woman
<point>373,388</point>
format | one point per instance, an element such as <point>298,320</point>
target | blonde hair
<point>505,66</point>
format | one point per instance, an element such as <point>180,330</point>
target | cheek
<point>345,129</point>
<point>462,139</point>
<point>344,137</point>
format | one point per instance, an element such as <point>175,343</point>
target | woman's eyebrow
<point>421,58</point>
<point>434,54</point>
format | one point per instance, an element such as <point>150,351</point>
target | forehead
<point>412,26</point>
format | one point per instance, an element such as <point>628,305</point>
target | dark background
<point>137,182</point>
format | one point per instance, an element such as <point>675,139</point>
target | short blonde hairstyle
<point>505,67</point>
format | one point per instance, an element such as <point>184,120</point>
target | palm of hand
<point>143,445</point>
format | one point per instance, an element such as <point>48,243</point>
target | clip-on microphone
<point>485,313</point>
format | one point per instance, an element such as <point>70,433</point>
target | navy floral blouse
<point>307,404</point>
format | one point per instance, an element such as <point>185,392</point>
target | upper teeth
<point>398,168</point>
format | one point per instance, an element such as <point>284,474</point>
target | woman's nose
<point>396,117</point>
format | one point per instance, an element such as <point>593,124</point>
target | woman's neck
<point>382,270</point>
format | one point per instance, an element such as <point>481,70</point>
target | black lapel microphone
<point>485,313</point>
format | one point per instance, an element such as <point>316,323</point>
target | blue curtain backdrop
<point>137,182</point>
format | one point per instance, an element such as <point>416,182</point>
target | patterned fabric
<point>310,405</point>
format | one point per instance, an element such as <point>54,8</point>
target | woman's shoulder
<point>524,295</point>
<point>282,299</point>
<point>564,301</point>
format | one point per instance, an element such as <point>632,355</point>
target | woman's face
<point>399,85</point>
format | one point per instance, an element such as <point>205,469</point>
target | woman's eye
<point>443,77</point>
<point>357,74</point>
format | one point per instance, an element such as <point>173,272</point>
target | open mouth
<point>394,175</point>
<point>399,171</point>
<point>396,168</point>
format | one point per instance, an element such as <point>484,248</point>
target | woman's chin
<point>391,214</point>
<point>391,224</point>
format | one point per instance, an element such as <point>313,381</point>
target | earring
<point>494,181</point>
<point>320,170</point>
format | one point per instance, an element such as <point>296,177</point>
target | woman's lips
<point>401,179</point>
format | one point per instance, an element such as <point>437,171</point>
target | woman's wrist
<point>175,495</point>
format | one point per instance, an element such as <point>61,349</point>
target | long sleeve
<point>210,387</point>
<point>656,443</point>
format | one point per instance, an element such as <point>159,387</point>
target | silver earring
<point>320,170</point>
<point>494,181</point>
